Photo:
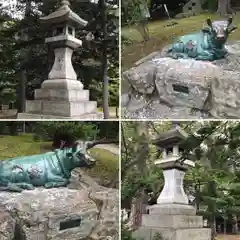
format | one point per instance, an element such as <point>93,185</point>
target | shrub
<point>49,131</point>
<point>126,233</point>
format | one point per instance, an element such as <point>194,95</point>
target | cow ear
<point>209,22</point>
<point>230,20</point>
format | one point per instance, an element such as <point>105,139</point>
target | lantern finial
<point>65,3</point>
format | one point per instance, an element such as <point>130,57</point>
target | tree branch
<point>124,140</point>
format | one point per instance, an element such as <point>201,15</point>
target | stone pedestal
<point>49,106</point>
<point>173,222</point>
<point>61,98</point>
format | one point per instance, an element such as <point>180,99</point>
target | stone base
<point>53,109</point>
<point>173,234</point>
<point>172,209</point>
<point>173,222</point>
<point>62,94</point>
<point>92,116</point>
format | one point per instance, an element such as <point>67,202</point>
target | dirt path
<point>109,147</point>
<point>228,237</point>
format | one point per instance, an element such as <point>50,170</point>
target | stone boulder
<point>7,225</point>
<point>225,95</point>
<point>184,88</point>
<point>184,82</point>
<point>85,212</point>
<point>143,79</point>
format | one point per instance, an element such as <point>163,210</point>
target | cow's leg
<point>205,55</point>
<point>19,187</point>
<point>57,183</point>
<point>12,187</point>
<point>26,186</point>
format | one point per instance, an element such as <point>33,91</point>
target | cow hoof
<point>48,185</point>
<point>30,188</point>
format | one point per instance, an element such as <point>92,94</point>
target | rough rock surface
<point>7,225</point>
<point>184,88</point>
<point>39,214</point>
<point>225,97</point>
<point>143,79</point>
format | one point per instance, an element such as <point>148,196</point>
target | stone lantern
<point>62,96</point>
<point>172,216</point>
<point>173,169</point>
<point>63,23</point>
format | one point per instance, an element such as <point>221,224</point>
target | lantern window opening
<point>70,31</point>
<point>59,30</point>
<point>169,150</point>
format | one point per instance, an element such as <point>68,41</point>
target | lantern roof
<point>174,136</point>
<point>64,15</point>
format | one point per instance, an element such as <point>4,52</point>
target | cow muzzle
<point>220,36</point>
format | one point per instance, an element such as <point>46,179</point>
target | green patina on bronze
<point>50,170</point>
<point>207,45</point>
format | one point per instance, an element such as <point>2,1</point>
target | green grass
<point>106,168</point>
<point>13,146</point>
<point>161,35</point>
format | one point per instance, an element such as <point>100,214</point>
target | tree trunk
<point>24,55</point>
<point>235,225</point>
<point>22,92</point>
<point>104,77</point>
<point>224,7</point>
<point>225,226</point>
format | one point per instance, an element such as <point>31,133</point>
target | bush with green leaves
<point>126,233</point>
<point>47,131</point>
<point>211,5</point>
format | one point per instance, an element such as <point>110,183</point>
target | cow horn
<point>230,20</point>
<point>62,144</point>
<point>209,22</point>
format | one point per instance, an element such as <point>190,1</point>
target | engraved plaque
<point>70,224</point>
<point>180,88</point>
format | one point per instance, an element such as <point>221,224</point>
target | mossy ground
<point>161,35</point>
<point>14,146</point>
